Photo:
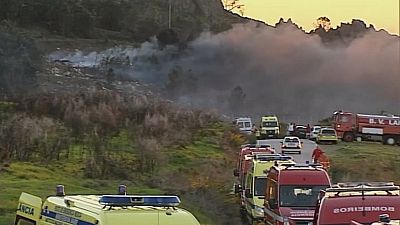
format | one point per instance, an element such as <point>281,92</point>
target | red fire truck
<point>357,203</point>
<point>292,192</point>
<point>351,126</point>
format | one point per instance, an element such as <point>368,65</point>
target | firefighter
<point>317,154</point>
<point>320,157</point>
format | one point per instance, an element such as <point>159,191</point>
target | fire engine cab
<point>351,126</point>
<point>292,192</point>
<point>357,203</point>
<point>119,209</point>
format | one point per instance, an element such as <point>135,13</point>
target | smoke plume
<point>279,70</point>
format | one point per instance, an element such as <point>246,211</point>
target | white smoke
<point>281,70</point>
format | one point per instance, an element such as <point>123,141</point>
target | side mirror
<point>237,188</point>
<point>272,203</point>
<point>236,172</point>
<point>281,142</point>
<point>247,193</point>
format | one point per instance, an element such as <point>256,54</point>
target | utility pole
<point>169,14</point>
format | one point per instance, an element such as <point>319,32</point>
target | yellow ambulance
<point>121,209</point>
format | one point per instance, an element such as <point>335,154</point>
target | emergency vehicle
<point>254,189</point>
<point>347,203</point>
<point>360,127</point>
<point>292,193</point>
<point>119,209</point>
<point>244,124</point>
<point>269,127</point>
<point>244,160</point>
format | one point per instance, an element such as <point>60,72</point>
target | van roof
<point>92,208</point>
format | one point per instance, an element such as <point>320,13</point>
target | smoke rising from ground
<point>280,70</point>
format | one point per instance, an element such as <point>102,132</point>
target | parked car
<point>300,131</point>
<point>244,124</point>
<point>327,135</point>
<point>314,132</point>
<point>291,144</point>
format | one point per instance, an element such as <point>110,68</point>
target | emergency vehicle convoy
<point>255,183</point>
<point>357,203</point>
<point>244,160</point>
<point>350,127</point>
<point>119,209</point>
<point>291,193</point>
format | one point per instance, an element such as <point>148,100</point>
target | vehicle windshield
<point>344,118</point>
<point>299,196</point>
<point>328,132</point>
<point>270,124</point>
<point>259,186</point>
<point>240,124</point>
<point>292,140</point>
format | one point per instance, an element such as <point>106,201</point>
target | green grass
<point>365,161</point>
<point>41,178</point>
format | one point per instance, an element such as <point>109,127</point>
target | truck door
<point>29,210</point>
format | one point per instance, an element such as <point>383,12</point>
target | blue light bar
<point>139,200</point>
<point>272,157</point>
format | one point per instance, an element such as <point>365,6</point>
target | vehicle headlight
<point>259,211</point>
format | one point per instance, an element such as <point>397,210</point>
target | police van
<point>121,209</point>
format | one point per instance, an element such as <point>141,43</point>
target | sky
<point>383,14</point>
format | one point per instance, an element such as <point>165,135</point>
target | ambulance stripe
<point>69,219</point>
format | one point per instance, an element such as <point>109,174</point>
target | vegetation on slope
<point>93,141</point>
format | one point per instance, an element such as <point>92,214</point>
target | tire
<point>390,140</point>
<point>348,137</point>
<point>359,139</point>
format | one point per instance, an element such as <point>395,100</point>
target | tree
<point>323,22</point>
<point>236,99</point>
<point>230,5</point>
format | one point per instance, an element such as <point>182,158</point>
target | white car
<point>314,132</point>
<point>291,144</point>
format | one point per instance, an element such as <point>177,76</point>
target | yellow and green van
<point>255,184</point>
<point>119,209</point>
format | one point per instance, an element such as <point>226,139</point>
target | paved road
<point>306,151</point>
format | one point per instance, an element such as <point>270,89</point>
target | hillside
<point>91,142</point>
<point>94,93</point>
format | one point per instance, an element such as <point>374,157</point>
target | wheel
<point>348,137</point>
<point>358,139</point>
<point>390,140</point>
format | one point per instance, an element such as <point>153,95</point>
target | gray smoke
<point>280,70</point>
